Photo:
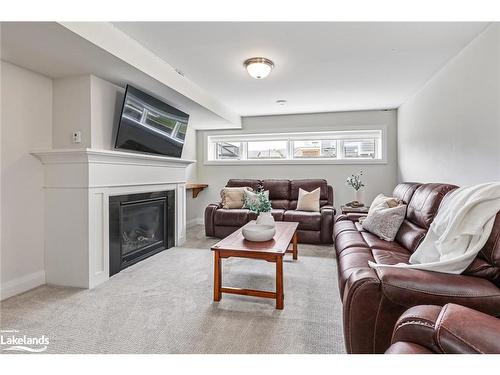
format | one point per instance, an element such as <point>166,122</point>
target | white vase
<point>359,195</point>
<point>265,218</point>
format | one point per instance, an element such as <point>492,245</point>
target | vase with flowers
<point>261,205</point>
<point>355,182</point>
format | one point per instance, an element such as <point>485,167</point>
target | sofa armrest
<point>412,287</point>
<point>327,217</point>
<point>463,330</point>
<point>354,217</point>
<point>449,329</point>
<point>209,219</point>
<point>329,208</point>
<point>417,325</point>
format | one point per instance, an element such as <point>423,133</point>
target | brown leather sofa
<point>452,329</point>
<point>373,299</point>
<point>314,227</point>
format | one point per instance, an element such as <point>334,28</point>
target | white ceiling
<point>319,67</point>
<point>56,52</point>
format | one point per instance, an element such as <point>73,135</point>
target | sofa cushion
<point>481,268</point>
<point>405,190</point>
<point>282,204</point>
<point>491,250</point>
<point>410,235</point>
<point>349,239</point>
<point>306,220</point>
<point>390,256</point>
<point>425,202</point>
<point>278,214</point>
<point>374,242</point>
<point>231,217</point>
<point>278,189</point>
<point>256,185</point>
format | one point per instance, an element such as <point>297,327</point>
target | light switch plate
<point>77,136</point>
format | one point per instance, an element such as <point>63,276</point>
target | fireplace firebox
<point>140,225</point>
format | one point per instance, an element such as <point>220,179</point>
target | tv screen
<point>149,125</point>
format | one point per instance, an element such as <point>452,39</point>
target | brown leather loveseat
<point>314,227</point>
<point>373,299</point>
<point>452,329</point>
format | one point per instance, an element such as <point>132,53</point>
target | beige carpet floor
<point>164,305</point>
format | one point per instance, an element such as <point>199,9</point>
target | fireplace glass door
<point>142,226</point>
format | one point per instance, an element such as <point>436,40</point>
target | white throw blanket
<point>459,230</point>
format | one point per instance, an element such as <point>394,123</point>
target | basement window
<point>334,147</point>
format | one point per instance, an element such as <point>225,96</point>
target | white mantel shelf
<point>78,184</point>
<point>95,155</point>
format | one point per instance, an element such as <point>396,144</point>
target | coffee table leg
<point>295,247</point>
<point>217,276</point>
<point>279,283</point>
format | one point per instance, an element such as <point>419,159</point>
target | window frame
<point>339,135</point>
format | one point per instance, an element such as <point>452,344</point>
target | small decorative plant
<point>260,204</point>
<point>354,181</point>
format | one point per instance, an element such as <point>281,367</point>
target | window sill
<point>295,162</point>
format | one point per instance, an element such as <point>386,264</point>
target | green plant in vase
<point>357,184</point>
<point>261,205</point>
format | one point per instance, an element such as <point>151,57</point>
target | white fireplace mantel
<point>78,184</point>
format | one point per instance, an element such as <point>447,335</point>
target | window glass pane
<point>267,149</point>
<point>315,149</point>
<point>228,150</point>
<point>362,148</point>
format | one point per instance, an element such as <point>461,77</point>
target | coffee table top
<point>278,245</point>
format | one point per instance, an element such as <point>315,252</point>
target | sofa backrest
<point>405,190</point>
<point>279,192</point>
<point>256,185</point>
<point>487,262</point>
<point>422,207</point>
<point>284,193</point>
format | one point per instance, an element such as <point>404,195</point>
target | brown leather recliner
<point>452,329</point>
<point>374,299</point>
<point>314,227</point>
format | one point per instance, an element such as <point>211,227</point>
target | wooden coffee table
<point>235,245</point>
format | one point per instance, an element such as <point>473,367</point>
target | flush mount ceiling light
<point>281,101</point>
<point>259,67</point>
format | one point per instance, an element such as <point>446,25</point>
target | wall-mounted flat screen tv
<point>149,125</point>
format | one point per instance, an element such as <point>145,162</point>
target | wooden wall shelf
<point>196,188</point>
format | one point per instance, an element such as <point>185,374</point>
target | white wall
<point>105,105</point>
<point>71,111</point>
<point>450,130</point>
<point>89,104</point>
<point>26,113</point>
<point>379,177</point>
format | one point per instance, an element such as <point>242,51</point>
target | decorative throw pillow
<point>251,197</point>
<point>308,201</point>
<point>233,197</point>
<point>381,198</point>
<point>384,221</point>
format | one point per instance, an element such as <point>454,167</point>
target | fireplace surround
<point>79,184</point>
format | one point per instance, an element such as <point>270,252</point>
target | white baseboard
<point>22,284</point>
<point>193,222</point>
